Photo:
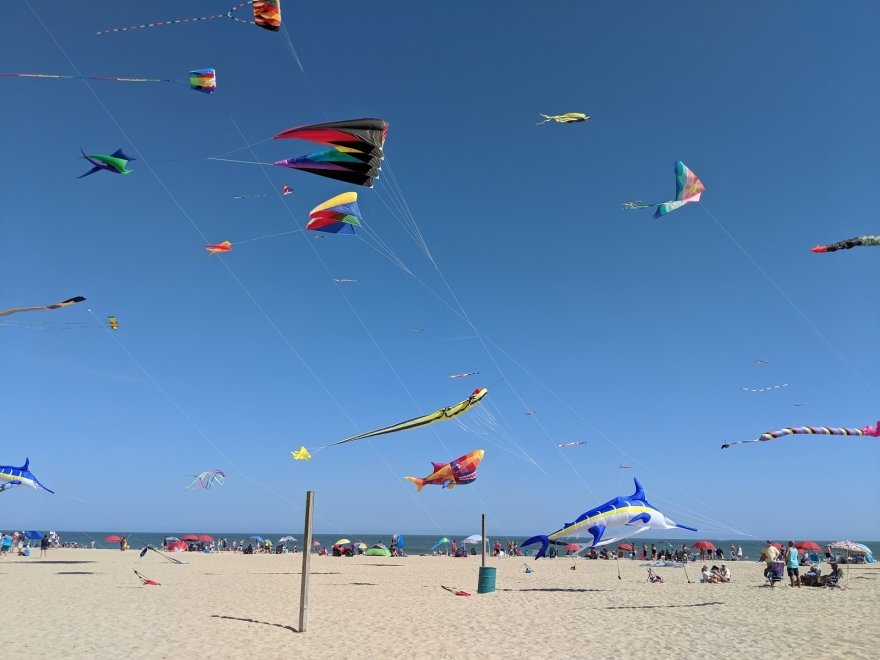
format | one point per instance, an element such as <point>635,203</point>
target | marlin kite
<point>632,514</point>
<point>19,476</point>
<point>463,470</point>
<point>116,162</point>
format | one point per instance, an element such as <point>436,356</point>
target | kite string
<point>791,303</point>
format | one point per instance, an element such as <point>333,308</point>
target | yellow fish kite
<point>567,118</point>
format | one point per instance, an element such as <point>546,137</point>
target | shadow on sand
<point>265,623</point>
<point>653,607</point>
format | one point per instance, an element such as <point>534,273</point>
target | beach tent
<point>378,550</point>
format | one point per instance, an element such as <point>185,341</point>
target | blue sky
<point>632,334</point>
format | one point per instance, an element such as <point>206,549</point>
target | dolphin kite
<point>632,513</point>
<point>19,476</point>
<point>117,162</point>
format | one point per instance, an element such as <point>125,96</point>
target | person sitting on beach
<point>770,554</point>
<point>724,573</point>
<point>707,575</point>
<point>835,574</point>
<point>811,577</point>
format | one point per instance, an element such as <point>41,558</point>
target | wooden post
<point>484,539</point>
<point>307,556</point>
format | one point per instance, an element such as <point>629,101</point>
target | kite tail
<point>546,119</point>
<point>819,249</point>
<point>543,540</point>
<point>420,483</point>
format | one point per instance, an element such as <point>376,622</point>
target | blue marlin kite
<point>19,476</point>
<point>632,514</point>
<point>117,162</point>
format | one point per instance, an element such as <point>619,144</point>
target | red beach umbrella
<point>778,546</point>
<point>190,537</point>
<point>573,547</point>
<point>206,538</point>
<point>703,545</point>
<point>808,545</point>
<point>624,546</point>
<point>113,539</point>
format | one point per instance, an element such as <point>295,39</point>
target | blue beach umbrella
<point>32,535</point>
<point>257,538</point>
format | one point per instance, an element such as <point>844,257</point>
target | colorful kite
<point>338,215</point>
<point>286,190</point>
<point>442,415</point>
<point>463,470</point>
<point>216,248</point>
<point>764,389</point>
<point>116,162</point>
<point>572,444</point>
<point>63,303</point>
<point>870,431</point>
<point>865,241</point>
<point>631,515</point>
<point>567,118</point>
<point>200,80</point>
<point>19,476</point>
<point>113,323</point>
<point>464,375</point>
<point>442,541</point>
<point>301,454</point>
<point>207,479</point>
<point>344,280</point>
<point>688,188</point>
<point>356,156</point>
<point>267,15</point>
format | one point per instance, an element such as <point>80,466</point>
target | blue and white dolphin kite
<point>633,514</point>
<point>19,476</point>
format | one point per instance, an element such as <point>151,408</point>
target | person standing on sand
<point>770,555</point>
<point>44,547</point>
<point>791,563</point>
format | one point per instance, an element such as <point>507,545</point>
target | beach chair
<point>653,577</point>
<point>775,573</point>
<point>833,580</point>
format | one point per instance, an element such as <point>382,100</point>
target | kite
<point>266,14</point>
<point>799,404</point>
<point>207,479</point>
<point>301,454</point>
<point>529,413</point>
<point>688,188</point>
<point>113,323</point>
<point>63,303</point>
<point>571,444</point>
<point>764,389</point>
<point>865,241</point>
<point>417,330</point>
<point>161,554</point>
<point>356,156</point>
<point>145,581</point>
<point>338,215</point>
<point>442,541</point>
<point>463,470</point>
<point>870,431</point>
<point>450,412</point>
<point>200,80</point>
<point>286,190</point>
<point>116,162</point>
<point>632,515</point>
<point>344,280</point>
<point>625,467</point>
<point>567,118</point>
<point>465,374</point>
<point>19,476</point>
<point>761,361</point>
<point>216,248</point>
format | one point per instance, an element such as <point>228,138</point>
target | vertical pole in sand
<point>484,539</point>
<point>307,556</point>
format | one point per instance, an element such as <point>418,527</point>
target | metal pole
<point>307,556</point>
<point>484,539</point>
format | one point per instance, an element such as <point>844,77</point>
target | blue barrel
<point>486,582</point>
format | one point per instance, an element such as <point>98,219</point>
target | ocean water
<point>414,544</point>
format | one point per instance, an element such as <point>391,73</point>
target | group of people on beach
<point>23,546</point>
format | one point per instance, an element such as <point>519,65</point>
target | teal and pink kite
<point>688,188</point>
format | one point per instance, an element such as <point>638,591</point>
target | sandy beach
<point>89,603</point>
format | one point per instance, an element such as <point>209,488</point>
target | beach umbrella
<point>850,547</point>
<point>257,538</point>
<point>285,539</point>
<point>624,546</point>
<point>32,535</point>
<point>190,537</point>
<point>573,547</point>
<point>362,546</point>
<point>808,545</point>
<point>113,539</point>
<point>473,539</point>
<point>206,538</point>
<point>171,538</point>
<point>342,542</point>
<point>703,545</point>
<point>778,546</point>
<point>316,544</point>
